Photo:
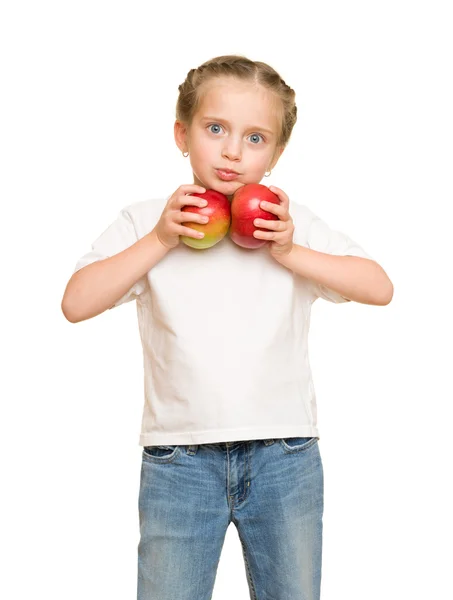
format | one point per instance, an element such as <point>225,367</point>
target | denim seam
<point>247,570</point>
<point>294,449</point>
<point>246,474</point>
<point>166,458</point>
<point>240,499</point>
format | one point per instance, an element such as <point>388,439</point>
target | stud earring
<point>266,174</point>
<point>185,154</point>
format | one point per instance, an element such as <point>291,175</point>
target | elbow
<point>68,303</point>
<point>388,296</point>
<point>76,316</point>
<point>69,316</point>
<point>68,311</point>
<point>385,295</point>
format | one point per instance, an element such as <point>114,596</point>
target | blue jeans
<point>273,492</point>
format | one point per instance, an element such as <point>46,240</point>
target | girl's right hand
<point>169,228</point>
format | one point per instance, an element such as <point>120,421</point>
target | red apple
<point>245,208</point>
<point>219,213</point>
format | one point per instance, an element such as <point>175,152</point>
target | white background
<point>87,112</point>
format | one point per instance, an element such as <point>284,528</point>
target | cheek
<point>203,150</point>
<point>261,157</point>
<point>261,162</point>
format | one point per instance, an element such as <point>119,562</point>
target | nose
<point>232,150</point>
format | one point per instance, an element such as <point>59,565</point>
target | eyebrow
<point>228,123</point>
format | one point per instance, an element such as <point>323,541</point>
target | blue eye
<point>213,125</point>
<point>257,135</point>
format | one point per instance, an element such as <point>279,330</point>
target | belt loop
<point>192,449</point>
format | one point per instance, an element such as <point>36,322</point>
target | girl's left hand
<point>281,234</point>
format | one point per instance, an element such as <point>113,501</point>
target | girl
<point>229,429</point>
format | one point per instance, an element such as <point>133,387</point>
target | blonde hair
<point>243,69</point>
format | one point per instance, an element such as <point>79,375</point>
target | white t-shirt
<point>224,333</point>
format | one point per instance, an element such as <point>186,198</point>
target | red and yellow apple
<point>245,208</point>
<point>218,210</point>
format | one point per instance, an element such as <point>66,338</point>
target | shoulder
<point>302,217</point>
<point>143,208</point>
<point>301,212</point>
<point>144,214</point>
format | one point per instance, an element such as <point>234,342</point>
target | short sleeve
<point>322,238</point>
<point>118,236</point>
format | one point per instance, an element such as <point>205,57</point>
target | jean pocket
<point>297,444</point>
<point>160,454</point>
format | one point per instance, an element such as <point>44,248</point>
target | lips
<point>226,174</point>
<point>228,171</point>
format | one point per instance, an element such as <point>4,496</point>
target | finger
<point>191,188</point>
<point>190,232</point>
<point>265,235</point>
<point>284,199</point>
<point>190,201</point>
<point>275,209</point>
<point>184,216</point>
<point>280,193</point>
<point>184,191</point>
<point>270,224</point>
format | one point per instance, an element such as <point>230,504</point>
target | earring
<point>267,175</point>
<point>185,155</point>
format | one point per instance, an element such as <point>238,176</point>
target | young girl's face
<point>236,127</point>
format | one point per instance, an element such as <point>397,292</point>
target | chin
<point>226,187</point>
<point>229,185</point>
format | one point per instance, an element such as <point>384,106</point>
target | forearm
<point>97,287</point>
<point>355,278</point>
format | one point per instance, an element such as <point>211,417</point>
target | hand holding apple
<point>257,214</point>
<point>169,228</point>
<point>281,231</point>
<point>245,208</point>
<point>218,214</point>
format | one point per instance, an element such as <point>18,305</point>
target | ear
<point>180,132</point>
